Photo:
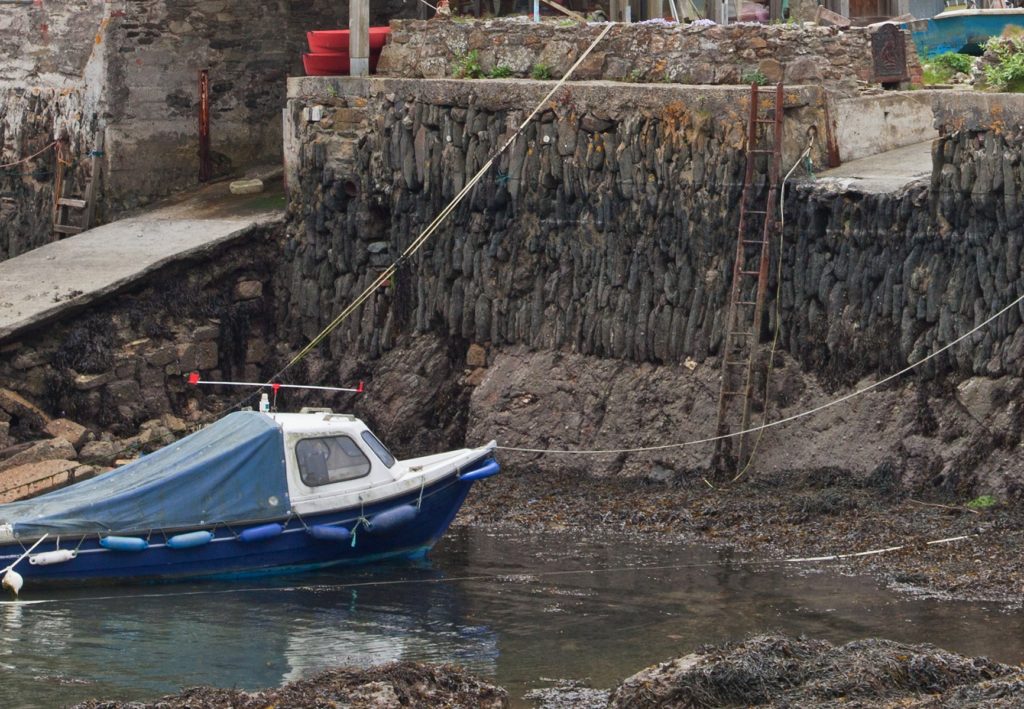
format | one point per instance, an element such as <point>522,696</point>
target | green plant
<point>502,71</point>
<point>754,77</point>
<point>1007,74</point>
<point>635,77</point>
<point>982,503</point>
<point>941,68</point>
<point>955,62</point>
<point>540,71</point>
<point>467,66</point>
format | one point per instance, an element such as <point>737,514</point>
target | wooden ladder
<point>85,205</point>
<point>758,224</point>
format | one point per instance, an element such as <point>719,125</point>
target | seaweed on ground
<point>781,671</point>
<point>409,684</point>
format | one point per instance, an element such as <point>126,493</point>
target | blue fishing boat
<point>252,494</point>
<point>964,31</point>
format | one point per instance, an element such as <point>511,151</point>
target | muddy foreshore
<point>778,516</point>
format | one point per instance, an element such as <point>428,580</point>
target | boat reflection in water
<point>126,645</point>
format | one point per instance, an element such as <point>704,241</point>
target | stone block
<point>29,359</point>
<point>207,355</point>
<point>203,333</point>
<point>771,69</point>
<point>124,392</point>
<point>98,453</point>
<point>74,433</point>
<point>162,356</point>
<point>476,356</point>
<point>85,382</point>
<point>256,351</point>
<point>35,478</point>
<point>253,186</point>
<point>248,290</point>
<point>174,424</point>
<point>52,449</point>
<point>16,405</point>
<point>185,358</point>
<point>803,70</point>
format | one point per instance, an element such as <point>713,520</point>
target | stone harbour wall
<point>606,229</point>
<point>641,52</point>
<point>124,361</point>
<point>609,229</point>
<point>577,296</point>
<point>127,73</point>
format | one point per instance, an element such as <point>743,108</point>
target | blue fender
<point>261,533</point>
<point>390,519</point>
<point>484,470</point>
<point>330,533</point>
<point>190,539</point>
<point>124,543</point>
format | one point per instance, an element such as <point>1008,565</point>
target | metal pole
<point>205,170</point>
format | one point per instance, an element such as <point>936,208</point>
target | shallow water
<point>519,609</point>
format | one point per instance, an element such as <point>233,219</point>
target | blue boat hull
<point>961,30</point>
<point>296,548</point>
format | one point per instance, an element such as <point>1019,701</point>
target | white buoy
<point>13,581</point>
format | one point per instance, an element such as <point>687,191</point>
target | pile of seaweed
<point>781,671</point>
<point>399,684</point>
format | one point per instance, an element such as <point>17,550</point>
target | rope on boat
<point>771,424</point>
<point>385,276</point>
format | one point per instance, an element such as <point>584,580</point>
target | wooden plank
<point>96,163</point>
<point>67,229</point>
<point>359,37</point>
<point>73,203</point>
<point>565,11</point>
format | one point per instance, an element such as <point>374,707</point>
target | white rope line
<point>788,419</point>
<point>515,574</point>
<point>27,552</point>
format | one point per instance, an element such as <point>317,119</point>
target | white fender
<point>53,557</point>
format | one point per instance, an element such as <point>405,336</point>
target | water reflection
<point>514,608</point>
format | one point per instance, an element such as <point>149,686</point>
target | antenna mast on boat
<point>195,380</point>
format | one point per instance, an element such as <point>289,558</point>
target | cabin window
<point>330,459</point>
<point>379,448</point>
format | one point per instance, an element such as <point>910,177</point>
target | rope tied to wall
<point>386,276</point>
<point>33,156</point>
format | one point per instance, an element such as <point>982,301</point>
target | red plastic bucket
<point>321,41</point>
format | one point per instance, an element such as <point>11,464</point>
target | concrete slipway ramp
<point>39,285</point>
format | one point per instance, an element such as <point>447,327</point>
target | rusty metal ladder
<point>757,226</point>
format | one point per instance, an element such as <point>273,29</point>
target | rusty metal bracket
<point>205,169</point>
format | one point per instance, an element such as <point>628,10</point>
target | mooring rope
<point>385,276</point>
<point>771,424</point>
<point>519,573</point>
<point>30,157</point>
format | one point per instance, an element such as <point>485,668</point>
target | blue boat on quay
<point>254,493</point>
<point>963,31</point>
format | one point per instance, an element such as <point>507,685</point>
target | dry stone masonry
<point>643,52</point>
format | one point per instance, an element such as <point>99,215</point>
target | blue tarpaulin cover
<point>230,471</point>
